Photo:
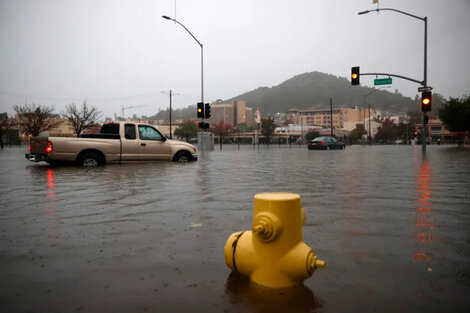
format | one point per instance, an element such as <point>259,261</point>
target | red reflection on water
<point>51,194</point>
<point>424,222</point>
<point>421,256</point>
<point>50,178</point>
<point>423,237</point>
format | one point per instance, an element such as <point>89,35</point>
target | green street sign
<point>382,81</point>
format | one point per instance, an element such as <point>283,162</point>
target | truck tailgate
<point>38,145</point>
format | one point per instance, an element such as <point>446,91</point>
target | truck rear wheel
<point>90,159</point>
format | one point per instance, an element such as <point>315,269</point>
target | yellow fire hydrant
<point>273,253</point>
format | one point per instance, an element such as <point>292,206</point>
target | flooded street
<point>392,226</point>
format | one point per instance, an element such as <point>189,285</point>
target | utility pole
<point>331,116</point>
<point>370,131</point>
<point>170,94</point>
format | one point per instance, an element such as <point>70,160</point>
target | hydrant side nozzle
<point>259,229</point>
<point>267,226</point>
<point>315,263</point>
<point>320,264</point>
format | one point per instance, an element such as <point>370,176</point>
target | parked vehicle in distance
<point>115,143</point>
<point>325,143</point>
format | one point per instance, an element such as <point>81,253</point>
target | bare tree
<point>81,117</point>
<point>34,119</point>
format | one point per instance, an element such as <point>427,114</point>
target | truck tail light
<point>49,147</point>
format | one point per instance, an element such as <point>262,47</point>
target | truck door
<point>130,144</point>
<point>152,144</point>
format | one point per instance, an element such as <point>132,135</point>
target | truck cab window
<point>149,133</point>
<point>129,131</point>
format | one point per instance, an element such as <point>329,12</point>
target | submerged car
<point>325,143</point>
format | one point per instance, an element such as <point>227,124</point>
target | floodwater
<point>393,227</point>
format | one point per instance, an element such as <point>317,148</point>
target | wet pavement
<point>393,227</point>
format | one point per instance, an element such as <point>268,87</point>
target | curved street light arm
<point>174,20</point>
<point>202,53</point>
<point>389,9</point>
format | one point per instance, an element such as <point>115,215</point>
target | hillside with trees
<point>313,90</point>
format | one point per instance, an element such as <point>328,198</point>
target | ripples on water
<point>393,227</point>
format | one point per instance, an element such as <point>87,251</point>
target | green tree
<point>357,132</point>
<point>187,130</point>
<point>387,131</point>
<point>312,135</point>
<point>267,128</point>
<point>455,114</point>
<point>245,128</point>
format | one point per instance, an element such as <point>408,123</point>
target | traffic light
<point>207,110</point>
<point>426,101</point>
<point>203,125</point>
<point>355,75</point>
<point>200,110</point>
<point>416,133</point>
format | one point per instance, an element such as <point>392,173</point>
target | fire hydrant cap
<point>277,196</point>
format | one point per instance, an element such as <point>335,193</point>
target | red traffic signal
<point>355,75</point>
<point>426,101</point>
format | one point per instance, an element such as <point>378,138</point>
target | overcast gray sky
<point>121,52</point>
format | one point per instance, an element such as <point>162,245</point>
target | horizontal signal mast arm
<point>393,75</point>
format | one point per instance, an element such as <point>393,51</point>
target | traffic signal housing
<point>207,110</point>
<point>200,110</point>
<point>426,101</point>
<point>355,75</point>
<point>203,125</point>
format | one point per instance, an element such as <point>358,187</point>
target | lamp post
<point>202,53</point>
<point>202,67</point>
<point>425,79</point>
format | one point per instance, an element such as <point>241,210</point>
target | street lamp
<point>202,66</point>
<point>202,53</point>
<point>425,80</point>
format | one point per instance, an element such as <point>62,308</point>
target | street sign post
<point>382,81</point>
<point>424,89</point>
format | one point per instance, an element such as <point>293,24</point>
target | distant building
<point>341,118</point>
<point>437,131</point>
<point>233,113</point>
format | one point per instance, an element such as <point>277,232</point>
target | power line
<point>25,95</point>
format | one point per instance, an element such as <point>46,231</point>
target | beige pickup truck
<point>116,143</point>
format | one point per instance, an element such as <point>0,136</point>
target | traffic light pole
<point>425,80</point>
<point>425,117</point>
